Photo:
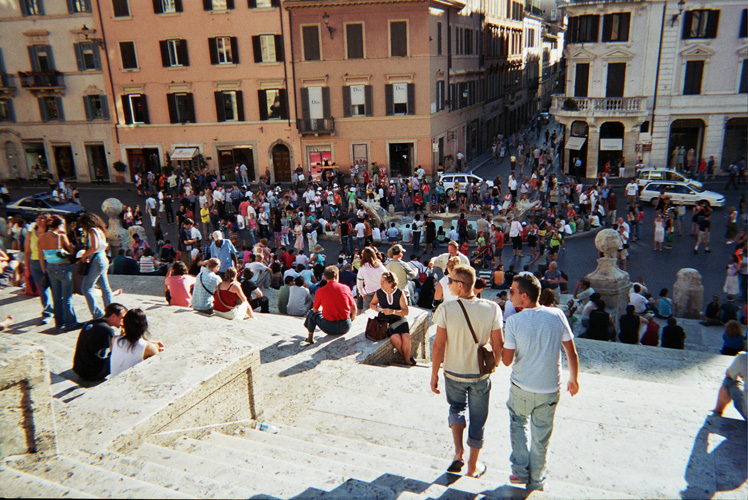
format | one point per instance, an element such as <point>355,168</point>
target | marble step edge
<point>15,483</point>
<point>89,478</point>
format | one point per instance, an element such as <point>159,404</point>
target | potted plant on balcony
<point>570,105</point>
<point>120,168</point>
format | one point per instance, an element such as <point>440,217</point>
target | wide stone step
<point>17,484</point>
<point>317,477</point>
<point>166,477</point>
<point>357,466</point>
<point>92,480</point>
<point>262,485</point>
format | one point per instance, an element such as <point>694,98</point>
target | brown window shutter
<point>411,98</point>
<point>305,103</point>
<point>257,47</point>
<point>184,56</point>
<point>607,27</point>
<point>164,53</point>
<point>278,48</point>
<point>213,50</point>
<point>326,102</point>
<point>284,103</point>
<point>346,101</point>
<point>191,108</point>
<point>713,24</point>
<point>368,100</point>
<point>263,100</point>
<point>389,99</point>
<point>171,100</point>
<point>234,50</point>
<point>220,115</point>
<point>239,106</point>
<point>146,117</point>
<point>126,109</point>
<point>157,7</point>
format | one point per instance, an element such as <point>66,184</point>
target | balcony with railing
<point>598,106</point>
<point>316,126</point>
<point>42,81</point>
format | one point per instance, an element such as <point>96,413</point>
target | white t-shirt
<point>360,228</point>
<point>446,292</point>
<point>639,301</point>
<point>461,353</point>
<point>632,188</point>
<point>536,334</point>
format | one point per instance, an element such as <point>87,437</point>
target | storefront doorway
<point>401,159</point>
<point>64,162</point>
<point>36,160</point>
<point>281,163</point>
<point>228,158</point>
<point>611,147</point>
<point>97,164</point>
<point>686,137</point>
<point>143,160</point>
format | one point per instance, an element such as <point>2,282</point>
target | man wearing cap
<point>334,308</point>
<point>401,269</point>
<point>224,251</point>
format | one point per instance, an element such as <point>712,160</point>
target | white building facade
<point>654,79</point>
<point>54,107</point>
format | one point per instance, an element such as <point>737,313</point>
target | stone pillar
<point>593,150</point>
<point>688,294</point>
<point>116,235</point>
<point>608,280</point>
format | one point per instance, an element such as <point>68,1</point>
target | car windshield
<point>51,202</point>
<point>696,188</point>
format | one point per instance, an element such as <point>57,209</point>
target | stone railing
<point>611,106</point>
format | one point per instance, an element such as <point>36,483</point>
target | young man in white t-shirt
<point>455,347</point>
<point>532,346</point>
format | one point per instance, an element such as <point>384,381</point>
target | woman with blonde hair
<point>369,274</point>
<point>229,300</point>
<point>442,290</point>
<point>54,256</point>
<point>390,302</point>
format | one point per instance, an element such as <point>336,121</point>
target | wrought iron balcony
<point>316,126</point>
<point>598,106</point>
<point>42,80</point>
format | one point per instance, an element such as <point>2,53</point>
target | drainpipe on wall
<point>293,70</point>
<point>109,70</point>
<point>285,64</point>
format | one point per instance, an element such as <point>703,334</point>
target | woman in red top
<point>229,300</point>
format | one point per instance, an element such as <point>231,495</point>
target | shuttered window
<point>701,23</point>
<point>127,55</point>
<point>581,79</point>
<point>7,113</point>
<point>32,7</point>
<point>223,50</point>
<point>694,73</point>
<point>744,78</point>
<point>50,109</point>
<point>583,29</point>
<point>218,4</point>
<point>79,6</point>
<point>135,108</point>
<point>616,27</point>
<point>96,107</point>
<point>174,53</point>
<point>616,80</point>
<point>310,39</point>
<point>354,38</point>
<point>357,100</point>
<point>273,104</point>
<point>181,107</point>
<point>267,48</point>
<point>87,56</point>
<point>229,106</point>
<point>398,38</point>
<point>167,6</point>
<point>400,98</point>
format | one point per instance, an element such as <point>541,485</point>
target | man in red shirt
<point>338,309</point>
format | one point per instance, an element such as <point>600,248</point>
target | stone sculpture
<point>608,279</point>
<point>688,294</point>
<point>116,235</point>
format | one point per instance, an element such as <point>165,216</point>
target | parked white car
<point>652,174</point>
<point>681,193</point>
<point>459,181</point>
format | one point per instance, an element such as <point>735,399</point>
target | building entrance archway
<point>281,163</point>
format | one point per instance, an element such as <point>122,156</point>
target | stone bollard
<point>608,280</point>
<point>116,235</point>
<point>688,294</point>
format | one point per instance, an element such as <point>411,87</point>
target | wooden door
<point>281,164</point>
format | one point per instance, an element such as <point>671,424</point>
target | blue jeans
<point>45,295</point>
<point>541,409</point>
<point>416,241</point>
<point>61,282</point>
<point>736,393</point>
<point>360,243</point>
<point>474,397</point>
<point>349,244</point>
<point>315,319</point>
<point>97,273</point>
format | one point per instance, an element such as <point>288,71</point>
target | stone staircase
<point>639,428</point>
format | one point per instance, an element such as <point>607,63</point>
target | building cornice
<point>316,4</point>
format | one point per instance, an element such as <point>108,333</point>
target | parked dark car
<point>29,206</point>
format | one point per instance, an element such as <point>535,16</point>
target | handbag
<point>376,328</point>
<point>83,268</point>
<point>486,360</point>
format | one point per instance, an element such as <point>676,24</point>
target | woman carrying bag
<point>229,300</point>
<point>98,264</point>
<point>390,302</point>
<point>55,252</point>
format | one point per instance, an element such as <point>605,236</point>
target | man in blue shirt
<point>224,251</point>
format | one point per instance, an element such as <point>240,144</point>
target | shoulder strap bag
<point>486,360</point>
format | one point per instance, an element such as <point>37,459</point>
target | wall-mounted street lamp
<point>326,19</point>
<point>89,33</point>
<point>681,6</point>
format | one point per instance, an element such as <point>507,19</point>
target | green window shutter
<point>171,101</point>
<point>191,108</point>
<point>213,50</point>
<point>60,111</point>
<point>126,110</point>
<point>368,100</point>
<point>411,98</point>
<point>164,45</point>
<point>79,57</point>
<point>87,107</point>
<point>346,101</point>
<point>389,99</point>
<point>184,55</point>
<point>240,105</point>
<point>262,99</point>
<point>234,50</point>
<point>220,115</point>
<point>278,48</point>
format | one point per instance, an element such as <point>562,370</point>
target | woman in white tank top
<point>131,347</point>
<point>442,290</point>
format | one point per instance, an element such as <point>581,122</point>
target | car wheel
<point>653,201</point>
<point>450,191</point>
<point>705,202</point>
